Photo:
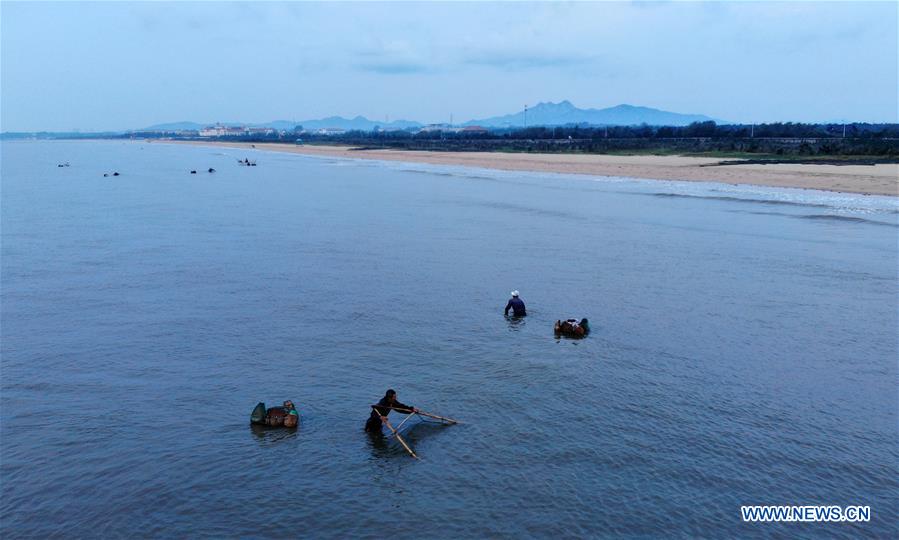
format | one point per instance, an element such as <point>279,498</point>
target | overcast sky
<point>98,66</point>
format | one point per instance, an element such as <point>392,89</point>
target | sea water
<point>743,349</point>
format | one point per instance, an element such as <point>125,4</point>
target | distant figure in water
<point>516,305</point>
<point>115,174</point>
<point>380,411</point>
<point>211,169</point>
<point>193,172</point>
<point>293,416</point>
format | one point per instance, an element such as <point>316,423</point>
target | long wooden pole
<point>450,420</point>
<point>399,438</point>
<point>407,411</point>
<point>404,411</point>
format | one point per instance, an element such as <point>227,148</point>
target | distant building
<point>330,132</point>
<point>436,127</point>
<point>170,132</point>
<point>447,128</point>
<point>219,130</point>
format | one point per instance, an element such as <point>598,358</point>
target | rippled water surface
<point>744,349</point>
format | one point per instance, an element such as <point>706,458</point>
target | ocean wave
<point>851,219</point>
<point>781,202</point>
<point>748,194</point>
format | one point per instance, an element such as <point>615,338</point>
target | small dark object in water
<point>115,174</point>
<point>572,328</point>
<point>211,169</point>
<point>193,172</point>
<point>285,416</point>
<point>66,164</point>
<point>105,175</point>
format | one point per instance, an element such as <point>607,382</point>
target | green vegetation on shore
<point>771,142</point>
<point>776,142</point>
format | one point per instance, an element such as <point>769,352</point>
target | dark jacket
<point>383,408</point>
<point>517,307</point>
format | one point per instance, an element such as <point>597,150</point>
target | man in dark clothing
<point>516,305</point>
<point>382,409</point>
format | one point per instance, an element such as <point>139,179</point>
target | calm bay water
<point>744,350</point>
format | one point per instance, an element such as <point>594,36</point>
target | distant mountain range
<point>562,113</point>
<point>542,114</point>
<point>179,126</point>
<point>359,122</point>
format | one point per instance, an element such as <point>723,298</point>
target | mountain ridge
<point>566,113</point>
<point>543,114</point>
<point>358,122</point>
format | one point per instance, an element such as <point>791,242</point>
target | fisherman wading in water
<point>516,305</point>
<point>380,411</point>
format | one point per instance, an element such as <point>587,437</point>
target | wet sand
<point>880,179</point>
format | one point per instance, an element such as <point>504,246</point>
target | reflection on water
<point>381,447</point>
<point>270,434</point>
<point>516,323</point>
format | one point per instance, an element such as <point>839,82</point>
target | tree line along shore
<point>872,143</point>
<point>855,143</point>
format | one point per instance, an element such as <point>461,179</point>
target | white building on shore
<point>330,131</point>
<point>219,130</point>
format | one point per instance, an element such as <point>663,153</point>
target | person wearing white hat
<point>516,305</point>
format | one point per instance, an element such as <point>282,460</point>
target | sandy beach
<point>880,179</point>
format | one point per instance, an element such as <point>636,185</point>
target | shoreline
<point>879,179</point>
